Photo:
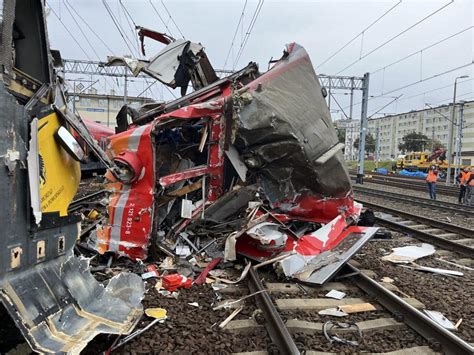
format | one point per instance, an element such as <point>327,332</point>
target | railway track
<point>280,309</point>
<point>410,184</point>
<point>418,201</point>
<point>444,235</point>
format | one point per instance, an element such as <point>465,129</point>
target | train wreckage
<point>246,166</point>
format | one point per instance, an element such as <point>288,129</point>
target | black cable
<point>421,50</point>
<point>161,19</point>
<point>90,28</point>
<point>117,26</point>
<point>172,19</point>
<point>248,32</point>
<point>396,36</point>
<point>235,34</point>
<point>361,33</point>
<point>69,32</point>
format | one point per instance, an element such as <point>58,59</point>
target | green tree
<point>414,142</point>
<point>369,143</point>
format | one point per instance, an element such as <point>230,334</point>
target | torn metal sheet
<point>409,253</point>
<point>270,130</point>
<point>60,307</point>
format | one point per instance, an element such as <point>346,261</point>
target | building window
<point>85,101</point>
<point>102,102</point>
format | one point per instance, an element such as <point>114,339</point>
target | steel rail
<point>453,228</point>
<point>274,325</point>
<point>443,243</point>
<point>462,209</point>
<point>439,338</point>
<point>412,185</point>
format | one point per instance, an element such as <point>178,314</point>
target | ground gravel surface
<point>447,294</point>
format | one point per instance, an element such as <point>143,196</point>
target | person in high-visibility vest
<point>431,181</point>
<point>461,178</point>
<point>470,188</point>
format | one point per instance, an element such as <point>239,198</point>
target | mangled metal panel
<point>178,63</point>
<point>284,127</point>
<point>274,132</point>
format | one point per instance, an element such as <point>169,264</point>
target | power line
<point>249,31</point>
<point>422,50</point>
<point>330,93</point>
<point>69,32</point>
<point>425,79</point>
<point>417,82</point>
<point>161,18</point>
<point>80,30</point>
<point>84,35</point>
<point>429,91</point>
<point>172,19</point>
<point>114,20</point>
<point>396,36</point>
<point>235,34</point>
<point>90,28</point>
<point>380,109</point>
<point>360,34</point>
<point>132,28</point>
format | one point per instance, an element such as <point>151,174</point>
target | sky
<point>323,27</point>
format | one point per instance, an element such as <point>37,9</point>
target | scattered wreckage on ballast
<point>247,166</point>
<point>251,160</point>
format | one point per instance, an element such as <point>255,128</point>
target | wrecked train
<point>252,138</point>
<point>245,165</point>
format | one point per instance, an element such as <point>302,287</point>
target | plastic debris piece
<point>356,308</point>
<point>437,270</point>
<point>338,295</point>
<point>152,271</point>
<point>174,281</point>
<point>387,280</point>
<point>167,263</point>
<point>158,285</point>
<point>93,214</point>
<point>439,318</point>
<point>182,250</point>
<point>169,294</point>
<point>194,304</point>
<point>332,312</point>
<point>409,254</point>
<point>158,313</point>
<point>218,287</point>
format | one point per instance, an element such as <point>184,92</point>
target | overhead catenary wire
<point>161,19</point>
<point>248,32</point>
<point>132,28</point>
<point>360,34</point>
<point>235,34</point>
<point>330,93</point>
<point>423,49</point>
<point>69,32</point>
<point>416,82</point>
<point>66,5</point>
<point>172,19</point>
<point>90,28</point>
<point>117,25</point>
<point>396,36</point>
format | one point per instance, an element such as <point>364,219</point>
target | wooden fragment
<point>316,304</point>
<point>358,307</point>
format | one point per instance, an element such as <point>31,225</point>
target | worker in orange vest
<point>461,178</point>
<point>470,188</point>
<point>431,179</point>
